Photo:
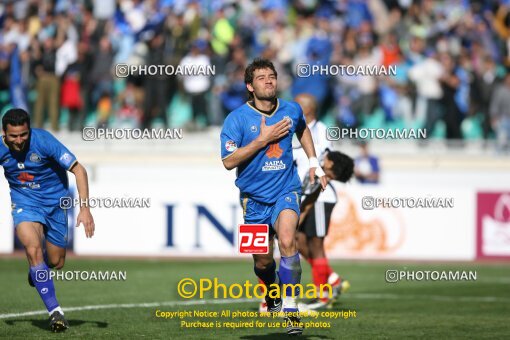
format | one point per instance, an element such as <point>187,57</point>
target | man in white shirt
<point>197,86</point>
<point>427,75</point>
<point>314,222</point>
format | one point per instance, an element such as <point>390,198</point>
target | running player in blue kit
<point>257,140</point>
<point>35,166</point>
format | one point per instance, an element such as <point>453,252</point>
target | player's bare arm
<point>305,138</point>
<point>268,134</point>
<point>82,183</point>
<point>307,205</point>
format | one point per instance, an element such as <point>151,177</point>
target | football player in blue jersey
<point>256,139</point>
<point>35,166</point>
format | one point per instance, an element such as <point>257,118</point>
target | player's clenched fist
<point>269,134</point>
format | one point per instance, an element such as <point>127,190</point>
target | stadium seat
<point>179,111</point>
<point>375,120</point>
<point>471,128</point>
<point>439,131</point>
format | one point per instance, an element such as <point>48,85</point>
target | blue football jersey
<point>270,173</point>
<point>38,175</point>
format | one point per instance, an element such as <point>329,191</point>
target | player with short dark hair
<point>35,165</point>
<point>317,206</point>
<point>338,167</point>
<point>256,139</point>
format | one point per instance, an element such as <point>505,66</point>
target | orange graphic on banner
<point>353,234</point>
<point>25,177</point>
<point>274,151</point>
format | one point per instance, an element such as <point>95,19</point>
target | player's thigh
<point>285,216</point>
<point>30,234</point>
<point>285,227</point>
<point>316,247</point>
<point>56,230</point>
<point>302,244</point>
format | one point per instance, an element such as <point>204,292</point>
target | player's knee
<point>263,263</point>
<point>287,244</point>
<point>58,264</point>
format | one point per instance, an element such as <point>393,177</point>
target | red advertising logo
<point>253,238</point>
<point>493,225</point>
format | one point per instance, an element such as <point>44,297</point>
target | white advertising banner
<point>198,214</point>
<point>6,228</point>
<point>406,224</point>
<point>193,212</point>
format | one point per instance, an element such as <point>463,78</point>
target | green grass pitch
<point>126,309</point>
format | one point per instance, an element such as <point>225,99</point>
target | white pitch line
<point>428,297</point>
<point>131,305</point>
<point>228,301</point>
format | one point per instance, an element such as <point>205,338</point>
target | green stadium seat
<point>4,96</point>
<point>179,111</point>
<point>471,128</point>
<point>374,121</point>
<point>439,131</point>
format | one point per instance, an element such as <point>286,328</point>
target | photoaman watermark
<point>188,288</point>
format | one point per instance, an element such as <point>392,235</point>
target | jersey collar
<point>265,114</point>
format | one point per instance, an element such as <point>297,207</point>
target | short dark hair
<point>343,166</point>
<point>258,64</point>
<point>15,117</point>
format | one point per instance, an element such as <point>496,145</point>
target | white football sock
<point>58,309</point>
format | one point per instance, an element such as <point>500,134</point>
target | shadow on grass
<point>44,324</point>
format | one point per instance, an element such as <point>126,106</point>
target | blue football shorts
<point>255,212</point>
<point>53,219</point>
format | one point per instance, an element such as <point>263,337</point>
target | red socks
<point>320,271</point>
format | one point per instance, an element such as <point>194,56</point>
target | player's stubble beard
<point>265,94</point>
<point>15,146</point>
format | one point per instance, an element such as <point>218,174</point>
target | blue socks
<point>44,284</point>
<point>290,273</point>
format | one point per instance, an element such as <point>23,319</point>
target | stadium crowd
<point>57,59</point>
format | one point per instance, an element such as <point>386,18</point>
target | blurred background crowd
<point>57,59</point>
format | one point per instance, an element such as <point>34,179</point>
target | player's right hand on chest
<point>271,133</point>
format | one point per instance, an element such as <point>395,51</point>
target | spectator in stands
<point>70,97</point>
<point>197,86</point>
<point>449,85</point>
<point>47,85</point>
<point>130,106</point>
<point>500,114</point>
<point>155,86</point>
<point>4,74</point>
<point>366,166</point>
<point>426,75</point>
<point>473,33</point>
<point>101,74</point>
<point>367,84</point>
<point>481,92</point>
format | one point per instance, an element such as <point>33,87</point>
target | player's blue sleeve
<point>57,151</point>
<point>2,157</point>
<point>301,125</point>
<point>231,136</point>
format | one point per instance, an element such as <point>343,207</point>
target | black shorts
<point>316,223</point>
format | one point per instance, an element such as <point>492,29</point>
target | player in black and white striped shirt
<point>317,205</point>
